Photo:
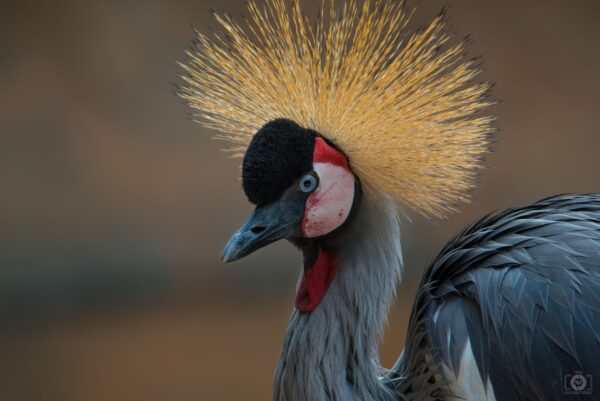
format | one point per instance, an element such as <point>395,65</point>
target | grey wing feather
<point>524,287</point>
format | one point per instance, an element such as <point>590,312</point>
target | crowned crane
<point>340,122</point>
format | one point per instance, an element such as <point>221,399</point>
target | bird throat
<point>318,274</point>
<point>330,354</point>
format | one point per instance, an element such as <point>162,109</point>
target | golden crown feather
<point>405,112</point>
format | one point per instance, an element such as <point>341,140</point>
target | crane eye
<point>309,183</point>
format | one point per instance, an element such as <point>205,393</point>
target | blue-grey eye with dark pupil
<point>308,183</point>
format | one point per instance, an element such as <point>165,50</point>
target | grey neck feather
<point>331,353</point>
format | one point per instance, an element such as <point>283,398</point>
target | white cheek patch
<point>329,206</point>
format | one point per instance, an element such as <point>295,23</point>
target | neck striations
<point>331,354</point>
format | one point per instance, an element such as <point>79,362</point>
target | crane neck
<point>331,353</point>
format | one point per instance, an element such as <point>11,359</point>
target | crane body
<point>511,307</point>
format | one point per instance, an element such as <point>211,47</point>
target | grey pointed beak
<point>268,223</point>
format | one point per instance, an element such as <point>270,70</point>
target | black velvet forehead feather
<point>279,153</point>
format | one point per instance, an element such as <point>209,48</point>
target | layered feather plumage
<point>403,111</point>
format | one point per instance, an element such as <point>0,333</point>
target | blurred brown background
<point>115,207</point>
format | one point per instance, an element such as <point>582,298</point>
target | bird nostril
<point>257,229</point>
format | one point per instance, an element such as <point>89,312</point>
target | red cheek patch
<point>329,206</point>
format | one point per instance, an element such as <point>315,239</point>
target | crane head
<point>364,97</point>
<point>301,184</point>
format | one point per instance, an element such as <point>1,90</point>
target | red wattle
<point>316,282</point>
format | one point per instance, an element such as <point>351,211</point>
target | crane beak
<point>268,223</point>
